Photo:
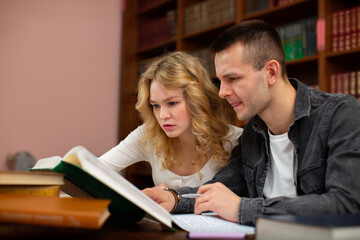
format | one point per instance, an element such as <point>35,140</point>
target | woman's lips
<point>168,126</point>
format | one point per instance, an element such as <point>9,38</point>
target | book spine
<point>347,32</point>
<point>335,32</point>
<point>353,38</point>
<point>353,83</point>
<point>333,83</point>
<point>346,82</point>
<point>358,25</point>
<point>49,219</point>
<point>50,191</point>
<point>320,28</point>
<point>341,31</point>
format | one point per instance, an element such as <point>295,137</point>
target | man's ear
<point>272,68</point>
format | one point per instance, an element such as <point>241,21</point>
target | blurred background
<point>59,76</point>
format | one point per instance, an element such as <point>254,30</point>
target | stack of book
<point>34,198</point>
<point>345,31</point>
<point>207,14</point>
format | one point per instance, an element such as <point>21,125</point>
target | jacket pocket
<point>312,180</point>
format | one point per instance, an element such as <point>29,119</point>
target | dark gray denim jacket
<point>326,136</point>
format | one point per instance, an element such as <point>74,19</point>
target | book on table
<point>53,211</point>
<point>86,175</point>
<point>33,183</point>
<point>327,227</point>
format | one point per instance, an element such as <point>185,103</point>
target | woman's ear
<point>272,68</point>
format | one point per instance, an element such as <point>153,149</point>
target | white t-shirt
<point>130,151</point>
<point>280,176</point>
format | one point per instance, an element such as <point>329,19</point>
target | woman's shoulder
<point>234,131</point>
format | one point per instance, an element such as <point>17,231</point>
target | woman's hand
<point>162,197</point>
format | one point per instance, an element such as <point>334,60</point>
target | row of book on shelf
<point>345,31</point>
<point>346,82</point>
<point>197,17</point>
<point>208,13</point>
<point>259,5</point>
<point>157,30</point>
<point>298,38</point>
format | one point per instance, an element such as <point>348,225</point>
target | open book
<point>90,175</point>
<point>85,175</point>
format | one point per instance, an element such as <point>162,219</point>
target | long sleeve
<point>127,152</point>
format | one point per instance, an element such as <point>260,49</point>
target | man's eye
<point>233,78</point>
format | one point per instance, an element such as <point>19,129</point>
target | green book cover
<point>86,174</point>
<point>118,206</point>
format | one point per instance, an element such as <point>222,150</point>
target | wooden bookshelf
<point>313,70</point>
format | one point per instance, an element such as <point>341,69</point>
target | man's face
<point>244,88</point>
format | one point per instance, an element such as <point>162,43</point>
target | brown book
<point>46,190</point>
<point>335,32</point>
<point>53,211</point>
<point>30,178</point>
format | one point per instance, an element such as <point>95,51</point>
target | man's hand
<point>218,198</point>
<point>162,197</point>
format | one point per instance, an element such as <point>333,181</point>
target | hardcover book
<point>308,227</point>
<point>86,174</point>
<point>33,183</point>
<point>53,211</point>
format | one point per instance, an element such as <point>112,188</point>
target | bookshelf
<point>207,19</point>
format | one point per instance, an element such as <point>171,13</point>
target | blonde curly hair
<point>209,124</point>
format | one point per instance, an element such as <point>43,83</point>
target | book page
<point>47,163</point>
<point>114,180</point>
<point>203,223</point>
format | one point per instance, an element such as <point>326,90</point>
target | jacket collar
<point>302,106</point>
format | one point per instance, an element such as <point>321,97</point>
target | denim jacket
<point>326,136</point>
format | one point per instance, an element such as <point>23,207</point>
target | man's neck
<point>280,113</point>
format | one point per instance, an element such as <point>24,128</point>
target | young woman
<point>185,137</point>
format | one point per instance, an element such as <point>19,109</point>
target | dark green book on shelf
<point>87,176</point>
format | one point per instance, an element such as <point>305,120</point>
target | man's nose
<point>225,90</point>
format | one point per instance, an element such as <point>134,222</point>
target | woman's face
<point>171,110</point>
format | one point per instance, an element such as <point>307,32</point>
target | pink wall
<point>59,75</point>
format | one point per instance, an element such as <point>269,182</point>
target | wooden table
<point>112,229</point>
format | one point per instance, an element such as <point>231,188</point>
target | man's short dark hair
<point>260,39</point>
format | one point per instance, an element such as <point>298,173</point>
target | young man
<point>300,152</point>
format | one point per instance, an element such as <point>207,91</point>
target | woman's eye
<point>172,103</point>
<point>155,105</point>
